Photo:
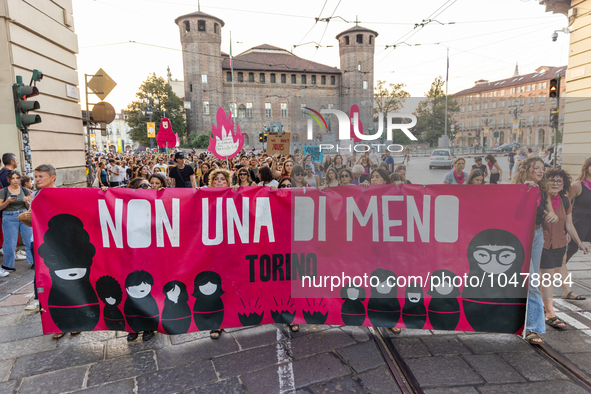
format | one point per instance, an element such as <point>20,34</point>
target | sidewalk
<point>270,359</point>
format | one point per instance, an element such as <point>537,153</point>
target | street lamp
<point>516,110</point>
<point>485,122</point>
<point>151,102</point>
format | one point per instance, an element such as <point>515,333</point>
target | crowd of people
<point>562,219</point>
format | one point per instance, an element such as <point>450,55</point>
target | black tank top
<point>582,203</point>
<point>540,210</point>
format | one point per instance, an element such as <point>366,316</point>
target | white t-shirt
<point>122,173</point>
<point>272,183</point>
<point>113,177</point>
<point>375,159</point>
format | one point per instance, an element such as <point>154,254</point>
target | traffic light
<point>22,107</point>
<point>260,137</point>
<point>554,87</point>
<point>554,121</point>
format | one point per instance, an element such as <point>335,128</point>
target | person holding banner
<point>331,178</point>
<point>401,169</point>
<point>298,177</point>
<point>243,178</point>
<point>555,241</point>
<point>345,177</point>
<point>266,177</point>
<point>457,176</point>
<point>531,172</point>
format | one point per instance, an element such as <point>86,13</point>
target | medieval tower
<point>201,38</point>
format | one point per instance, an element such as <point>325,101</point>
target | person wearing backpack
<point>555,242</point>
<point>14,200</point>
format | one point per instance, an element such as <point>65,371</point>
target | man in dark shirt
<point>511,160</point>
<point>480,166</point>
<point>182,175</point>
<point>10,163</point>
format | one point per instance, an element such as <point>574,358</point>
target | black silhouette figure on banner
<point>444,307</point>
<point>414,313</point>
<point>176,315</point>
<point>141,310</point>
<point>315,315</point>
<point>208,311</point>
<point>353,310</point>
<point>283,315</point>
<point>250,317</point>
<point>383,308</point>
<point>109,291</point>
<point>495,306</point>
<point>67,252</point>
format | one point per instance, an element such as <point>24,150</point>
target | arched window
<point>190,87</point>
<point>246,139</point>
<point>370,39</point>
<point>242,112</point>
<point>187,26</point>
<point>359,66</point>
<point>333,80</point>
<point>201,25</point>
<point>359,39</point>
<point>229,76</point>
<point>294,138</point>
<point>346,40</point>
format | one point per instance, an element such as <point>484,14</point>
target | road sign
<point>452,127</point>
<point>103,112</point>
<point>92,139</point>
<point>101,84</point>
<point>151,129</point>
<point>486,129</point>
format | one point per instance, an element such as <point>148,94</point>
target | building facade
<point>515,109</point>
<point>577,127</point>
<point>40,35</point>
<point>267,84</point>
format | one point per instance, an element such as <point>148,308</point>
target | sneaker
<point>22,253</point>
<point>20,257</point>
<point>3,273</point>
<point>33,306</point>
<point>5,268</point>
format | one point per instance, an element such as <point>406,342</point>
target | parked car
<point>507,147</point>
<point>441,158</point>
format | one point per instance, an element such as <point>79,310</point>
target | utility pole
<point>556,124</point>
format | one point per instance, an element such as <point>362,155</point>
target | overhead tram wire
<point>315,22</point>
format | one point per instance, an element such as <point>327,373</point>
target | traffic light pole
<point>557,123</point>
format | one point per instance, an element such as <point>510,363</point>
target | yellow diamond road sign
<point>101,84</point>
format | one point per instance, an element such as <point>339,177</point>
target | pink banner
<point>176,261</point>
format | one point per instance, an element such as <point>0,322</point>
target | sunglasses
<point>299,174</point>
<point>243,174</point>
<point>345,176</point>
<point>284,186</point>
<point>145,186</point>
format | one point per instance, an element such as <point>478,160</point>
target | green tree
<point>199,140</point>
<point>388,98</point>
<point>169,106</point>
<point>430,113</point>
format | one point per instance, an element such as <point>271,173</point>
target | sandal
<point>58,335</point>
<point>557,323</point>
<point>215,334</point>
<point>294,327</point>
<point>396,330</point>
<point>570,296</point>
<point>533,338</point>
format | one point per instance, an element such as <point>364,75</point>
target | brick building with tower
<point>515,109</point>
<point>272,84</point>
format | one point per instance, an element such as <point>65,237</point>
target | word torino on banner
<point>181,260</point>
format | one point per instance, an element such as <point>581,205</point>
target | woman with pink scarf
<point>457,176</point>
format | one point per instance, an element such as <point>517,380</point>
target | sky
<point>131,39</point>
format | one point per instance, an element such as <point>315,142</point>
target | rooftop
<point>198,14</point>
<point>267,57</point>
<point>354,29</point>
<point>543,73</point>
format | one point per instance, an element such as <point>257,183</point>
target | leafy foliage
<point>199,140</point>
<point>430,113</point>
<point>170,106</point>
<point>390,98</point>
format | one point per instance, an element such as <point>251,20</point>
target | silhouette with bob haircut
<point>208,310</point>
<point>176,314</point>
<point>109,291</point>
<point>141,310</point>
